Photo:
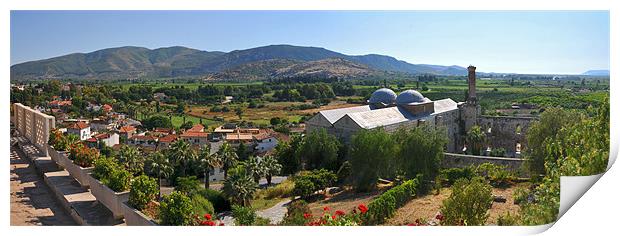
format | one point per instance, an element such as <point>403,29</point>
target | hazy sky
<point>494,41</point>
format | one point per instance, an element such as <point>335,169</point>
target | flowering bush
<point>338,218</point>
<point>296,213</point>
<point>61,142</point>
<point>208,221</point>
<point>82,155</point>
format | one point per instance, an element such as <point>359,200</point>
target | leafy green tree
<point>239,112</point>
<point>552,120</point>
<point>156,122</point>
<point>421,152</point>
<point>187,125</point>
<point>285,152</point>
<point>239,186</point>
<point>272,167</point>
<point>242,152</point>
<point>189,185</point>
<point>208,162</point>
<point>475,139</point>
<point>320,150</point>
<point>468,204</point>
<point>371,155</point>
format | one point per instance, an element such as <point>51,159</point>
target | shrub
<point>82,155</point>
<point>243,215</point>
<point>202,205</point>
<point>296,213</point>
<point>176,209</point>
<point>498,152</point>
<point>118,180</point>
<point>496,174</point>
<point>452,174</point>
<point>520,195</point>
<point>385,205</point>
<point>309,182</point>
<point>188,185</point>
<point>104,167</point>
<point>507,220</point>
<point>143,190</point>
<point>468,204</point>
<point>217,198</point>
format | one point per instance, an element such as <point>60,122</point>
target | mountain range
<point>255,63</point>
<point>596,73</point>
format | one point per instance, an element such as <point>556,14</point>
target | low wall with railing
<point>33,125</point>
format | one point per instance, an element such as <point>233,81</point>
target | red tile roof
<point>143,137</point>
<point>126,129</point>
<point>196,128</point>
<point>168,138</point>
<point>107,107</point>
<point>195,134</point>
<point>79,125</point>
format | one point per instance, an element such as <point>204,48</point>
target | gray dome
<point>410,96</point>
<point>383,95</point>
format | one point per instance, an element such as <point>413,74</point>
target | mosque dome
<point>383,96</point>
<point>410,96</point>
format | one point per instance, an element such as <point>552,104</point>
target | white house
<point>265,143</point>
<point>80,129</point>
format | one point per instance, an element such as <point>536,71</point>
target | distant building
<point>409,109</point>
<point>166,141</point>
<point>101,125</point>
<point>127,131</point>
<point>80,129</point>
<point>144,141</point>
<point>196,138</point>
<point>109,139</point>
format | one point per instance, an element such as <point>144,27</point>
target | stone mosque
<point>410,108</point>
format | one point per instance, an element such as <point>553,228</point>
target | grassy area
<point>268,197</point>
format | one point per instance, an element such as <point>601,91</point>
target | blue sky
<point>495,41</point>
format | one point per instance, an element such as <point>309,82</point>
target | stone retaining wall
<point>453,160</point>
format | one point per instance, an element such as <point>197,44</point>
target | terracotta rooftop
<point>78,125</point>
<point>168,138</point>
<point>195,134</point>
<point>196,128</point>
<point>143,137</point>
<point>239,137</point>
<point>127,128</point>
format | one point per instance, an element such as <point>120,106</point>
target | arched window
<point>518,148</point>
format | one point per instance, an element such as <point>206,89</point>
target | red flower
<point>307,215</point>
<point>326,208</point>
<point>340,213</point>
<point>207,216</point>
<point>439,217</point>
<point>334,217</point>
<point>204,222</point>
<point>412,224</point>
<point>362,208</point>
<point>211,223</point>
<point>222,224</point>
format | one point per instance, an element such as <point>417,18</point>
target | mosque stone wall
<point>506,132</point>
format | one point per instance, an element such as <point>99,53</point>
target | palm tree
<point>182,155</point>
<point>272,167</point>
<point>475,138</point>
<point>132,159</point>
<point>255,168</point>
<point>157,164</point>
<point>240,187</point>
<point>208,162</point>
<point>228,157</point>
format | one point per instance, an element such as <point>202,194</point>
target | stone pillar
<point>471,81</point>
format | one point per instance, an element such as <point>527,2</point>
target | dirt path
<point>32,202</point>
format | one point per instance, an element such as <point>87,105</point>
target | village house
<point>165,141</point>
<point>127,131</point>
<point>109,139</point>
<point>80,129</point>
<point>144,141</point>
<point>159,132</point>
<point>195,138</point>
<point>101,125</point>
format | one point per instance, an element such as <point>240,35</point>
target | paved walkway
<point>276,213</point>
<point>32,202</point>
